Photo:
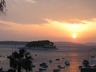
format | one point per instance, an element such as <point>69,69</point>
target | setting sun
<point>74,36</point>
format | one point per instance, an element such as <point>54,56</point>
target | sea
<point>74,55</point>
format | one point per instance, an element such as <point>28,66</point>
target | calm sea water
<point>74,55</point>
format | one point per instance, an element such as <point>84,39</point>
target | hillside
<point>13,43</point>
<point>69,44</point>
<point>90,44</point>
<point>41,44</point>
<point>57,44</point>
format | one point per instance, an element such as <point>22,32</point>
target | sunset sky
<point>55,20</point>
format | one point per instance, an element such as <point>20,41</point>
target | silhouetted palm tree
<point>21,60</point>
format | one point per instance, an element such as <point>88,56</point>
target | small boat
<point>0,55</point>
<point>42,68</point>
<point>36,55</point>
<point>3,56</point>
<point>56,70</point>
<point>43,64</point>
<point>50,61</point>
<point>85,63</point>
<point>33,65</point>
<point>57,59</point>
<point>67,63</point>
<point>92,56</point>
<point>86,67</point>
<point>63,58</point>
<point>60,67</point>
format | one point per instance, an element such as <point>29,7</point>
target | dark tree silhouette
<point>21,60</point>
<point>3,6</point>
<point>41,43</point>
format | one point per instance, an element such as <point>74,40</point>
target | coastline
<point>40,48</point>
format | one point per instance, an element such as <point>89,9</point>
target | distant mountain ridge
<point>90,44</point>
<point>13,42</point>
<point>69,44</point>
<point>58,44</point>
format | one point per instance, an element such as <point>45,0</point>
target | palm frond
<point>22,52</point>
<point>29,57</point>
<point>13,64</point>
<point>10,57</point>
<point>28,53</point>
<point>15,54</point>
<point>26,64</point>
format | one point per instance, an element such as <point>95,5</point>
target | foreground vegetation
<point>20,60</point>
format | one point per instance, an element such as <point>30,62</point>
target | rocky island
<point>42,44</point>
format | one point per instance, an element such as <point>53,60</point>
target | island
<point>41,44</point>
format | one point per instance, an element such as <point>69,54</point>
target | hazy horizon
<point>51,41</point>
<point>55,20</point>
